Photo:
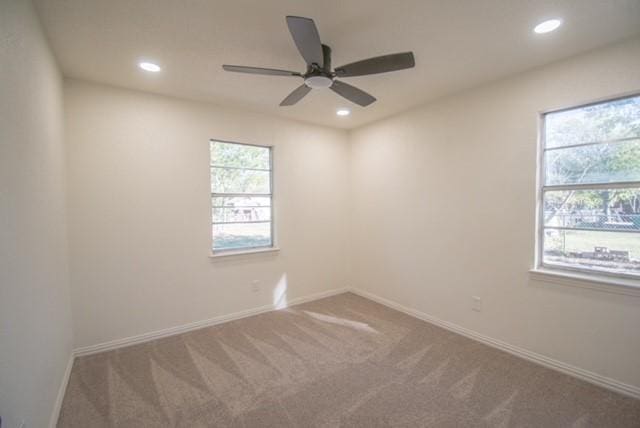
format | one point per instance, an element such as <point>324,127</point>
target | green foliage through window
<point>241,199</point>
<point>591,188</point>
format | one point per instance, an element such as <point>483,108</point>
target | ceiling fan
<point>319,73</point>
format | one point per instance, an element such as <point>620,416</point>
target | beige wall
<point>427,228</point>
<point>444,209</point>
<point>140,212</point>
<point>35,312</point>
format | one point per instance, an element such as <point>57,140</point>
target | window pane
<point>244,235</point>
<point>599,122</point>
<point>613,252</point>
<point>601,163</point>
<point>240,221</point>
<point>225,180</point>
<point>241,214</point>
<point>606,209</point>
<point>241,201</point>
<point>239,155</point>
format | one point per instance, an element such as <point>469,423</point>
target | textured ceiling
<point>457,44</point>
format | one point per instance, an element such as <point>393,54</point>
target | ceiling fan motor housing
<point>320,76</point>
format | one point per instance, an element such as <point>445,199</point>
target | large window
<point>590,188</point>
<point>241,196</point>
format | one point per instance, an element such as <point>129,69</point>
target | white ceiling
<point>457,44</point>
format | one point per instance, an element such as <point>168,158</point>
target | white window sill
<point>608,284</point>
<point>231,253</point>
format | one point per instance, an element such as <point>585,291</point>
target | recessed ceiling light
<point>343,112</point>
<point>547,26</point>
<point>149,66</point>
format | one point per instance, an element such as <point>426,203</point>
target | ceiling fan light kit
<point>318,59</point>
<point>316,82</point>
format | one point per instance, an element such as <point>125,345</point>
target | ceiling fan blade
<point>258,70</point>
<point>352,93</point>
<point>380,64</point>
<point>296,95</point>
<point>305,35</point>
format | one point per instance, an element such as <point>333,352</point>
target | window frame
<point>253,249</point>
<point>570,271</point>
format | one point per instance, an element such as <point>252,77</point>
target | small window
<point>241,196</point>
<point>589,216</point>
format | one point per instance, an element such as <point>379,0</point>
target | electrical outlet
<point>477,303</point>
<point>255,285</point>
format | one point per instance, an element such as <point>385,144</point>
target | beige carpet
<point>340,361</point>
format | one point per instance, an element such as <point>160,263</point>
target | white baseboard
<point>57,406</point>
<point>145,337</point>
<point>551,363</point>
